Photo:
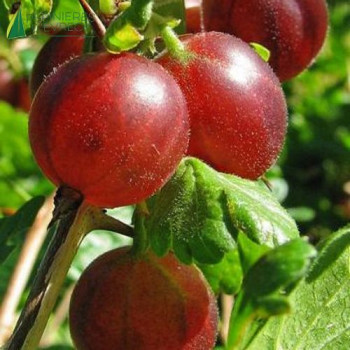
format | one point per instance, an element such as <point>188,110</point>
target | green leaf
<point>320,304</point>
<point>249,251</point>
<point>279,268</point>
<point>188,216</point>
<point>272,305</point>
<point>134,25</point>
<point>13,228</point>
<point>266,285</point>
<point>108,7</point>
<point>123,33</point>
<point>262,51</point>
<point>174,9</point>
<point>123,37</point>
<point>66,14</point>
<point>43,8</point>
<point>226,276</point>
<point>199,213</point>
<point>4,22</point>
<point>153,31</point>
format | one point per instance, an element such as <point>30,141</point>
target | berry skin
<point>236,106</point>
<point>57,50</point>
<point>113,127</point>
<point>293,30</point>
<point>146,303</point>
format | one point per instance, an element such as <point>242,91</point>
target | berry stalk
<point>95,21</point>
<point>172,42</point>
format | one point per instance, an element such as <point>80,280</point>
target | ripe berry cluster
<point>114,127</point>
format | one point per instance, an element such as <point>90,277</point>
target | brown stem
<point>72,220</point>
<point>72,225</point>
<point>102,221</point>
<point>33,242</point>
<point>95,21</point>
<point>58,318</point>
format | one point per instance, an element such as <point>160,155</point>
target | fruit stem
<point>174,45</point>
<point>72,221</point>
<point>242,313</point>
<point>95,21</point>
<point>102,221</point>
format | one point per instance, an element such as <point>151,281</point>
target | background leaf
<point>20,177</point>
<point>266,287</point>
<point>13,228</point>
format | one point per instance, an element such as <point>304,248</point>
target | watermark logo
<point>17,27</point>
<point>55,24</point>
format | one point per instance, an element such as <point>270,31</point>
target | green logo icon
<point>16,27</point>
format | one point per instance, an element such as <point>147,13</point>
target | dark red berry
<point>60,48</point>
<point>236,105</point>
<point>293,30</point>
<point>146,303</point>
<point>113,127</point>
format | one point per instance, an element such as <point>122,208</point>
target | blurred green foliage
<point>20,178</point>
<point>316,159</point>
